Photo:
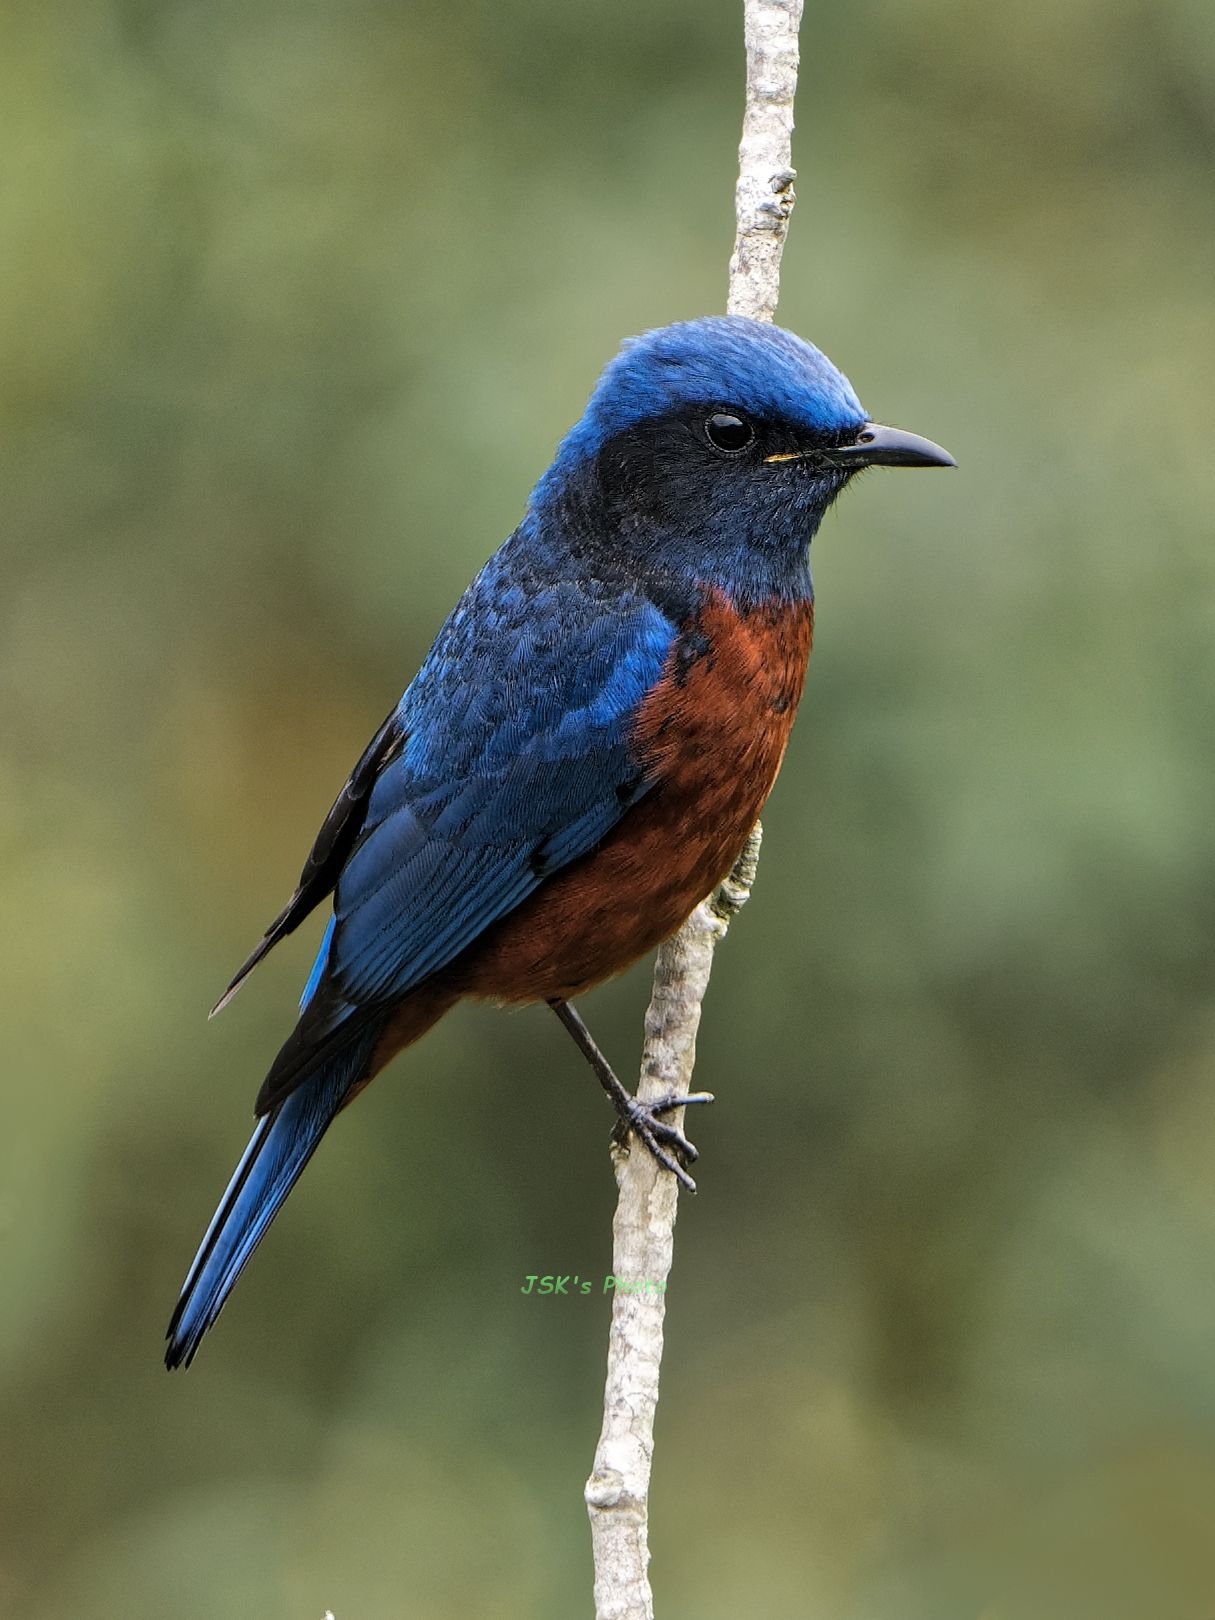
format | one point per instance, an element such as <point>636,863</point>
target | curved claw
<point>658,1136</point>
<point>668,1162</point>
<point>665,1105</point>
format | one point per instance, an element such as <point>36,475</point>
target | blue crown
<point>720,360</point>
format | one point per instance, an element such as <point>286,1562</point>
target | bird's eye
<point>728,431</point>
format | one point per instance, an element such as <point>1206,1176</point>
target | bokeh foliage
<point>294,303</point>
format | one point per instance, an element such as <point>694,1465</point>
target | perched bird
<point>587,744</point>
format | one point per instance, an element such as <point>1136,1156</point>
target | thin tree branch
<point>643,1232</point>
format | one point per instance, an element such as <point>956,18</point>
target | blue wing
<point>507,758</point>
<point>515,760</point>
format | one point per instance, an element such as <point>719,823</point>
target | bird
<point>584,749</point>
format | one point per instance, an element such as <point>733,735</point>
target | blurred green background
<point>295,301</point>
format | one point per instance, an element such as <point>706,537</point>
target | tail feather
<point>281,1145</point>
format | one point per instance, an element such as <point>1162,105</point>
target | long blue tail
<point>279,1149</point>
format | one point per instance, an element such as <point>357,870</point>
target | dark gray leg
<point>641,1118</point>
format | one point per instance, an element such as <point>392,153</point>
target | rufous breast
<point>713,733</point>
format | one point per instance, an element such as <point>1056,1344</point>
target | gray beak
<point>878,446</point>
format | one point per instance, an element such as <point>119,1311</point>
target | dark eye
<point>728,431</point>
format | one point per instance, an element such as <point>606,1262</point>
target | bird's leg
<point>642,1118</point>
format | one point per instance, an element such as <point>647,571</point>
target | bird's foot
<point>665,1142</point>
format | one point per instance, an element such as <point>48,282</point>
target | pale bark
<point>617,1493</point>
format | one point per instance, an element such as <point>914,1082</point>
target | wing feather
<point>510,755</point>
<point>338,832</point>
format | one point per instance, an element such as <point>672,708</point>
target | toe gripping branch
<point>666,1142</point>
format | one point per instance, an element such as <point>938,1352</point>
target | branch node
<point>605,1490</point>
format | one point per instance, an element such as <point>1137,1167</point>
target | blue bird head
<point>715,447</point>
